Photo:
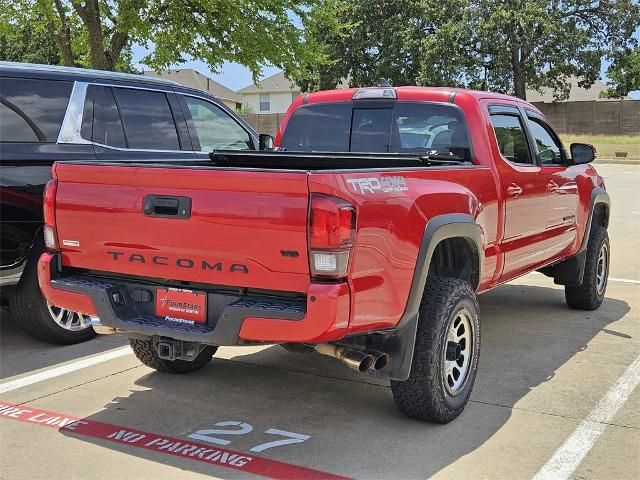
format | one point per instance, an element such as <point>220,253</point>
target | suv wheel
<point>445,357</point>
<point>41,320</point>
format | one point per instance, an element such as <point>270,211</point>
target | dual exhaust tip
<point>360,360</point>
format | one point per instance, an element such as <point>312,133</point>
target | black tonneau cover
<point>322,161</point>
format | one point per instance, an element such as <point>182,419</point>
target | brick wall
<point>616,117</point>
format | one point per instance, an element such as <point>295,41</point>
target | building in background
<point>274,94</point>
<point>193,79</point>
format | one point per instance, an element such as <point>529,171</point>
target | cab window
<point>547,146</point>
<point>511,138</point>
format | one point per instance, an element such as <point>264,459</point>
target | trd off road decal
<point>378,184</point>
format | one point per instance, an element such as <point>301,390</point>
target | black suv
<point>50,114</point>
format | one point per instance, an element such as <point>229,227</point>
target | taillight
<point>49,204</point>
<point>332,231</point>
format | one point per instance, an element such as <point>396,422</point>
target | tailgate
<point>244,228</point>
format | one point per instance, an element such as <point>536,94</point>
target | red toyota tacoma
<point>366,235</point>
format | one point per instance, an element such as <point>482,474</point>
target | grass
<point>607,145</point>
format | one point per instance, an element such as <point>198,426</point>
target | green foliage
<point>501,45</point>
<point>624,73</point>
<point>27,41</point>
<point>99,33</point>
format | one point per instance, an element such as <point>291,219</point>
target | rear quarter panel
<point>390,227</point>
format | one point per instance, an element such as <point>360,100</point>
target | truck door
<point>562,189</point>
<point>524,190</point>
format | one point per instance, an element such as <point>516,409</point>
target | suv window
<point>107,126</point>
<point>147,118</point>
<point>548,147</point>
<point>402,127</point>
<point>511,138</point>
<point>32,110</point>
<point>214,128</point>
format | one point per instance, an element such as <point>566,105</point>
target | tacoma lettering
<point>179,262</point>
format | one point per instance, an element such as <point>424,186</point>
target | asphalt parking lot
<point>555,397</point>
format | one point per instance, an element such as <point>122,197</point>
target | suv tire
<point>445,357</point>
<point>147,354</point>
<point>590,294</point>
<point>41,320</point>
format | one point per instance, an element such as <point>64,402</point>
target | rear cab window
<point>32,110</point>
<point>379,127</point>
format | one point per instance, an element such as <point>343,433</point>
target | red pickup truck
<point>366,235</point>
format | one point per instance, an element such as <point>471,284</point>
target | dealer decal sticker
<point>162,444</point>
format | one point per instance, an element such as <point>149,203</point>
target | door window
<point>147,118</point>
<point>32,110</point>
<point>214,128</point>
<point>548,148</point>
<point>107,126</point>
<point>511,138</point>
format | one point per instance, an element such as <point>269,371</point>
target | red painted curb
<point>198,452</point>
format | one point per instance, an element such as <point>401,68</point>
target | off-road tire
<point>147,354</point>
<point>29,309</point>
<point>423,395</point>
<point>587,296</point>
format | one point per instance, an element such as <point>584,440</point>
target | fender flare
<point>598,195</point>
<point>399,342</point>
<point>571,271</point>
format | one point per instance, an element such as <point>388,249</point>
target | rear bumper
<point>322,316</point>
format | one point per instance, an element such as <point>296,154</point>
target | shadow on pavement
<point>19,353</point>
<point>527,334</point>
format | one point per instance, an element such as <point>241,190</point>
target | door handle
<point>167,207</point>
<point>514,190</point>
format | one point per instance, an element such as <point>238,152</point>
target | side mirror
<point>582,153</point>
<point>265,142</point>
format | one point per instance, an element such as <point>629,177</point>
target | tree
<point>28,41</point>
<point>397,40</point>
<point>502,45</point>
<point>624,73</point>
<point>535,44</point>
<point>250,32</point>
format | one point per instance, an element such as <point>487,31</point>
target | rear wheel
<point>590,294</point>
<point>146,352</point>
<point>39,319</point>
<point>445,358</point>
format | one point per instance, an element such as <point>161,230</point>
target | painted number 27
<point>241,428</point>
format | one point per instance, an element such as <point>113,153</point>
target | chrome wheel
<point>72,321</point>
<point>602,269</point>
<point>458,352</point>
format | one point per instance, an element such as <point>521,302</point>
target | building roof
<point>189,77</point>
<point>577,94</point>
<point>274,83</point>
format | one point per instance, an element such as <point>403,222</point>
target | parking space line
<point>624,280</point>
<point>64,369</point>
<point>567,458</point>
<point>162,444</point>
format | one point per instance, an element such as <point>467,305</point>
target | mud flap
<point>399,344</point>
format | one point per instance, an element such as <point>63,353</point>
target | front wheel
<point>590,294</point>
<point>445,357</point>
